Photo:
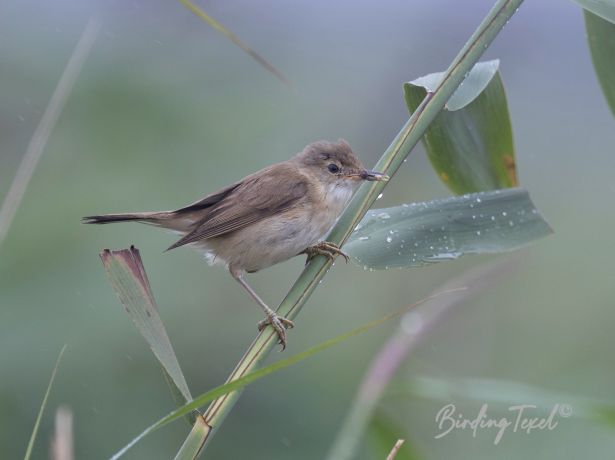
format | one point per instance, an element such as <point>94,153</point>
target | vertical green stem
<point>389,163</point>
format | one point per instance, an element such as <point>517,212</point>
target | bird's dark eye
<point>333,168</point>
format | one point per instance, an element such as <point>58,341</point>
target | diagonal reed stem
<point>388,164</point>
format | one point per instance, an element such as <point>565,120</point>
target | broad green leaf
<point>415,234</point>
<point>470,142</point>
<point>603,8</point>
<point>195,441</point>
<point>37,423</point>
<point>601,38</point>
<point>383,433</point>
<point>264,371</point>
<point>473,85</point>
<point>129,280</point>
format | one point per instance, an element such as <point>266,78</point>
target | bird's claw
<point>327,249</point>
<point>279,324</point>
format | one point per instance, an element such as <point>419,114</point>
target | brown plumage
<point>267,217</point>
<point>248,202</point>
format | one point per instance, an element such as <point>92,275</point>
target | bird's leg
<point>324,248</point>
<point>278,323</point>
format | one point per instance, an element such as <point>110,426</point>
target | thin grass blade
<point>235,39</point>
<point>128,278</point>
<point>43,405</point>
<point>470,143</point>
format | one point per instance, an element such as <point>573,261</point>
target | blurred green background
<point>167,110</point>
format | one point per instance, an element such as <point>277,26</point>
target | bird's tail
<point>154,218</point>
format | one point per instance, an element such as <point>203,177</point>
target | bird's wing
<point>209,200</point>
<point>255,198</point>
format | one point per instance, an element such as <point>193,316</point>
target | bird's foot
<point>324,248</point>
<point>279,324</point>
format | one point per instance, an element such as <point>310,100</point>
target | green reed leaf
<point>601,38</point>
<point>419,233</point>
<point>603,8</point>
<point>470,142</point>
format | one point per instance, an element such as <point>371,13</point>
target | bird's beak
<point>365,174</point>
<point>372,176</point>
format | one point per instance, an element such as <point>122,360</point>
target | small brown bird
<point>268,217</point>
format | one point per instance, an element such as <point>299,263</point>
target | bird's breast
<point>336,197</point>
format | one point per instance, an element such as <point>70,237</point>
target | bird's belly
<point>269,241</point>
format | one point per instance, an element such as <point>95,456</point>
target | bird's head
<point>335,164</point>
